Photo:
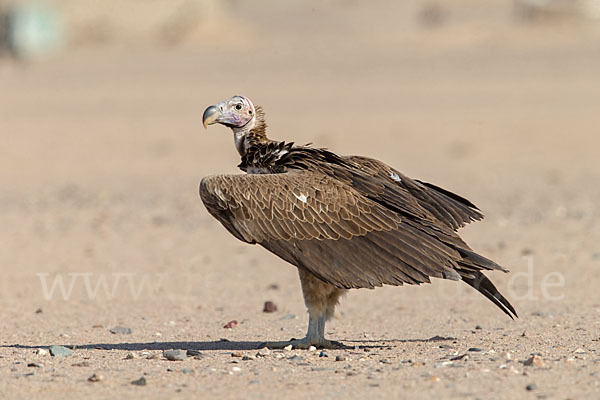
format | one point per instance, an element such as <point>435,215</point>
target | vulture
<point>346,222</point>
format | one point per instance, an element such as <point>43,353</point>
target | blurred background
<point>102,144</point>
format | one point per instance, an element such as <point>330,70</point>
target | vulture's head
<point>235,112</point>
<point>239,114</point>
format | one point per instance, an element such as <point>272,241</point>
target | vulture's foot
<point>305,344</point>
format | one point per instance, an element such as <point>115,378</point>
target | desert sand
<point>103,149</point>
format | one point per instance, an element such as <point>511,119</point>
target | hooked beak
<point>211,115</point>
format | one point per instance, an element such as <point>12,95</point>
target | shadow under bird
<point>345,222</point>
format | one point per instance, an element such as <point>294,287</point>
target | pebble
<point>478,327</point>
<point>236,354</point>
<point>460,357</point>
<point>296,358</point>
<point>154,356</point>
<point>535,361</point>
<point>81,364</point>
<point>120,330</point>
<point>269,307</point>
<point>39,311</point>
<point>60,351</point>
<point>96,378</point>
<point>139,382</point>
<point>129,356</point>
<point>231,324</point>
<point>340,358</point>
<point>531,386</point>
<point>475,349</point>
<point>41,352</point>
<point>507,355</point>
<point>579,351</point>
<point>289,347</point>
<point>35,365</point>
<point>236,369</point>
<point>194,353</point>
<point>187,371</point>
<point>175,355</point>
<point>323,354</point>
<point>312,348</point>
<point>247,358</point>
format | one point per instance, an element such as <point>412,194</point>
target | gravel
<point>120,330</point>
<point>60,351</point>
<point>175,355</point>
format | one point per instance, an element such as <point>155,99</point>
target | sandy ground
<point>102,151</point>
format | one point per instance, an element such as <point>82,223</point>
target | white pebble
<point>312,348</point>
<point>288,347</point>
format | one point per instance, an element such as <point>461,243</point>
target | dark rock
<point>269,307</point>
<point>460,357</point>
<point>475,349</point>
<point>340,358</point>
<point>139,382</point>
<point>36,365</point>
<point>60,351</point>
<point>531,386</point>
<point>323,354</point>
<point>95,378</point>
<point>175,355</point>
<point>231,324</point>
<point>120,330</point>
<point>194,353</point>
<point>39,311</point>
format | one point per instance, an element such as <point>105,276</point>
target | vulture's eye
<point>238,107</point>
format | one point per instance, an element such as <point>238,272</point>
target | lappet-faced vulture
<point>345,222</point>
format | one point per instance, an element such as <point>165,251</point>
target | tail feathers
<point>482,284</point>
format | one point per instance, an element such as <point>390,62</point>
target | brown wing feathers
<point>353,222</point>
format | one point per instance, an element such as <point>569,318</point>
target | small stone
<point>475,349</point>
<point>139,382</point>
<point>187,371</point>
<point>273,286</point>
<point>39,311</point>
<point>96,378</point>
<point>340,358</point>
<point>41,352</point>
<point>35,365</point>
<point>120,330</point>
<point>247,358</point>
<point>231,324</point>
<point>535,361</point>
<point>531,386</point>
<point>193,353</point>
<point>296,358</point>
<point>460,357</point>
<point>289,347</point>
<point>60,351</point>
<point>129,356</point>
<point>323,354</point>
<point>97,326</point>
<point>433,379</point>
<point>269,307</point>
<point>154,356</point>
<point>524,334</point>
<point>81,364</point>
<point>236,369</point>
<point>478,327</point>
<point>236,354</point>
<point>579,351</point>
<point>506,355</point>
<point>445,346</point>
<point>175,355</point>
<point>312,348</point>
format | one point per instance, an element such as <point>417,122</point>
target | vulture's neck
<point>254,132</point>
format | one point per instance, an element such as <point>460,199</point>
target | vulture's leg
<point>320,299</point>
